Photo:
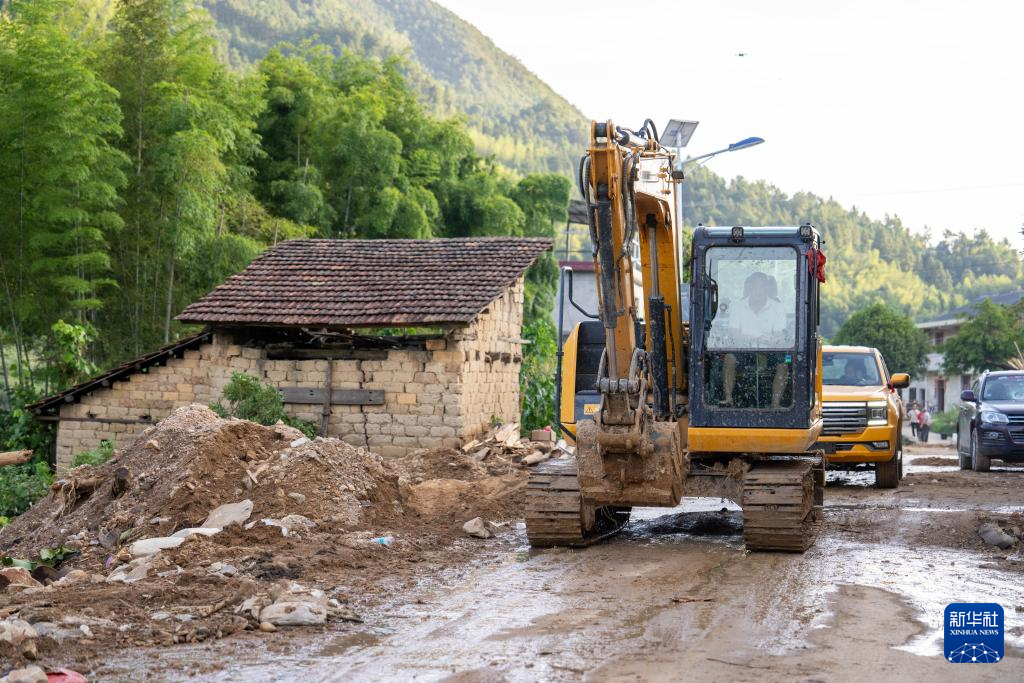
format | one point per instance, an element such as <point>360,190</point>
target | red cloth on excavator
<point>816,263</point>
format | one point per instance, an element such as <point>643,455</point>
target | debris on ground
<point>15,457</point>
<point>207,527</point>
<point>500,452</point>
<point>28,674</point>
<point>477,527</point>
<point>995,535</point>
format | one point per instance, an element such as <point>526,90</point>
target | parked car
<point>991,421</point>
<point>863,414</point>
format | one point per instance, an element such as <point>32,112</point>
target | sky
<point>896,107</point>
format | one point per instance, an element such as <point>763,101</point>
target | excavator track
<point>782,503</point>
<point>556,514</point>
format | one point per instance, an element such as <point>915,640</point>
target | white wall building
<point>935,389</point>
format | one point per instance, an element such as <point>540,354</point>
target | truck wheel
<point>979,462</point>
<point>887,473</point>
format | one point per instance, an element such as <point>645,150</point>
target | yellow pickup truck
<point>863,413</point>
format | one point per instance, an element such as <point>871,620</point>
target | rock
<point>223,568</point>
<point>45,574</point>
<point>477,527</point>
<point>542,435</point>
<point>72,577</point>
<point>151,546</point>
<point>153,445</point>
<point>293,521</point>
<point>298,613</point>
<point>231,513</point>
<point>192,531</point>
<point>287,433</point>
<point>108,538</point>
<point>299,442</point>
<point>536,457</point>
<point>18,576</point>
<point>993,535</point>
<point>297,497</point>
<point>289,522</point>
<point>48,629</point>
<point>136,570</point>
<point>16,631</point>
<point>30,674</point>
<point>267,627</point>
<point>160,616</point>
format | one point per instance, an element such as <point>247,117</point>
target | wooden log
<point>342,397</point>
<point>15,458</point>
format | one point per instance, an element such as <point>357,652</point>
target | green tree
<point>190,131</point>
<point>903,346</point>
<point>985,342</point>
<point>59,178</point>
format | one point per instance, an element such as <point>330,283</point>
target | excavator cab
<point>754,373</point>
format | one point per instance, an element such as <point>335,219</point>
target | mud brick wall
<point>492,357</point>
<point>435,397</point>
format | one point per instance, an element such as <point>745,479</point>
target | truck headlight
<point>994,417</point>
<point>878,413</point>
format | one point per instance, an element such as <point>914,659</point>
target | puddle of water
<point>927,580</point>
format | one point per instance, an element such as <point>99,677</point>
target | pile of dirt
<point>934,461</point>
<point>194,461</point>
<point>316,529</point>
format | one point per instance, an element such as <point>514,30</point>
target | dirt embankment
<point>306,532</point>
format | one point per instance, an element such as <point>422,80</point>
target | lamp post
<point>677,134</point>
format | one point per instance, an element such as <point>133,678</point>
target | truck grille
<point>844,418</point>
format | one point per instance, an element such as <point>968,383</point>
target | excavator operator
<point>758,319</point>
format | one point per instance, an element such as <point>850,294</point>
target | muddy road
<point>675,596</point>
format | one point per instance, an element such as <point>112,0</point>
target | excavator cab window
<point>751,337</point>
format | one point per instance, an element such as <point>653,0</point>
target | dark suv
<point>991,421</point>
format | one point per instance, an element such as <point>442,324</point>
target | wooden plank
<point>339,397</point>
<point>15,457</point>
<point>100,420</point>
<point>325,411</point>
<point>327,354</point>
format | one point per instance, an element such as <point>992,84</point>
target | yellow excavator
<point>725,405</point>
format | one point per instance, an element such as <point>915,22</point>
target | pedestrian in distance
<point>913,414</point>
<point>926,424</point>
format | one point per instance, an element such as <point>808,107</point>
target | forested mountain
<point>511,113</point>
<point>869,260</point>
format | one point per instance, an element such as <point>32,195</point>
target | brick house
<point>312,317</point>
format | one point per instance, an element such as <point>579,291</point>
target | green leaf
<point>9,561</point>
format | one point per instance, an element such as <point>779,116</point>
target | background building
<point>936,389</point>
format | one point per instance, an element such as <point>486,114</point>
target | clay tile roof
<point>369,283</point>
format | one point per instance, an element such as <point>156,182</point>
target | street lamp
<point>677,134</point>
<point>734,147</point>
